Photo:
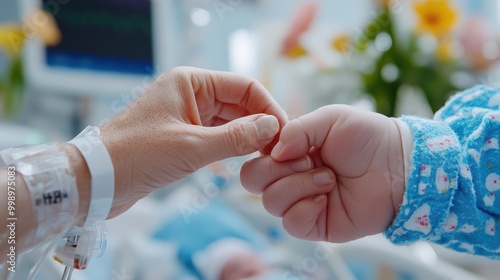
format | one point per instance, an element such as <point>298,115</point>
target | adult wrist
<point>121,146</point>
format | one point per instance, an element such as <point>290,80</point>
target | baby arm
<point>450,197</point>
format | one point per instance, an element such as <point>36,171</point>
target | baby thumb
<point>241,136</point>
<point>303,133</point>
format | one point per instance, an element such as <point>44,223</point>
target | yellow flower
<point>341,43</point>
<point>296,51</point>
<point>11,38</point>
<point>435,16</point>
<point>40,24</point>
<point>444,51</point>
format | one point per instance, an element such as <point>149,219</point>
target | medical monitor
<point>107,46</point>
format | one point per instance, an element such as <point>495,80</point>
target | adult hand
<point>187,119</point>
<point>336,174</point>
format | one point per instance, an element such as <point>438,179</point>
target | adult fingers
<point>239,137</point>
<point>210,86</point>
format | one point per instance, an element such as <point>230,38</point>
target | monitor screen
<point>103,35</point>
<point>108,47</point>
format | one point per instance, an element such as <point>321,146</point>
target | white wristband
<point>101,171</point>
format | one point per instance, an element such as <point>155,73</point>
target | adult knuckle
<point>180,70</point>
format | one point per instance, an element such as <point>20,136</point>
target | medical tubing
<point>47,252</point>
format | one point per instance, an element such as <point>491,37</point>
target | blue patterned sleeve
<point>451,193</point>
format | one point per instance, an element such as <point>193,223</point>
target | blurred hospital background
<point>66,64</point>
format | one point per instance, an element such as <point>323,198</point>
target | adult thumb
<point>240,137</point>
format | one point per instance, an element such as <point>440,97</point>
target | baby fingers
<point>257,174</point>
<point>284,193</point>
<point>302,220</point>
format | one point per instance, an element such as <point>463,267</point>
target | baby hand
<point>335,175</point>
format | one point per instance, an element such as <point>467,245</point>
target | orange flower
<point>296,51</point>
<point>437,17</point>
<point>383,3</point>
<point>301,22</point>
<point>48,32</point>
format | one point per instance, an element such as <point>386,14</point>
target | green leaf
<point>13,88</point>
<point>381,23</point>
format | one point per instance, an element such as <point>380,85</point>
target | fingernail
<point>319,198</point>
<point>322,178</point>
<point>301,165</point>
<point>277,149</point>
<point>267,127</point>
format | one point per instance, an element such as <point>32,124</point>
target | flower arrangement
<point>12,39</point>
<point>434,56</point>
